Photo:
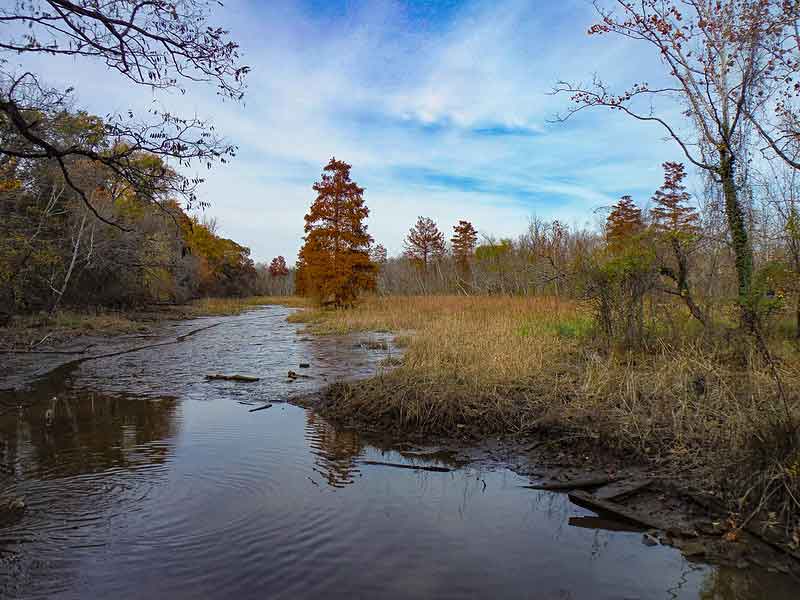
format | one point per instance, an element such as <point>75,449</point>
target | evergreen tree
<point>335,260</point>
<point>671,212</point>
<point>424,243</point>
<point>676,226</point>
<point>464,239</point>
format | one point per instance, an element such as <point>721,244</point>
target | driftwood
<point>587,500</point>
<point>575,484</point>
<point>220,376</point>
<point>404,466</point>
<point>622,489</point>
<point>266,406</point>
<point>294,375</point>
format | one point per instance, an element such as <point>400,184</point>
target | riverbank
<point>528,367</point>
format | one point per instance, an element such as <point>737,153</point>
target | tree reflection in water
<point>86,433</point>
<point>336,450</point>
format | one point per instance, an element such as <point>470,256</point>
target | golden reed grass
<point>513,365</point>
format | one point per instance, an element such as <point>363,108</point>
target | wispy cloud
<point>442,108</point>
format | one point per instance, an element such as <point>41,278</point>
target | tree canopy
<point>164,45</point>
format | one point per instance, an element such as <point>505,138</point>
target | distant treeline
<point>92,239</point>
<point>676,251</point>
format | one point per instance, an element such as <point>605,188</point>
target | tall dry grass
<point>235,306</point>
<point>504,365</point>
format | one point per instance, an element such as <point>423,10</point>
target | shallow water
<point>151,482</point>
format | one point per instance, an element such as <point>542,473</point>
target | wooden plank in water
<point>622,489</point>
<point>586,500</point>
<point>574,484</point>
<point>604,524</point>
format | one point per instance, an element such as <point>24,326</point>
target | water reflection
<point>726,583</point>
<point>86,433</point>
<point>81,461</point>
<point>335,451</point>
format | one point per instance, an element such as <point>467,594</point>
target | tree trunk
<point>76,247</point>
<point>740,240</point>
<point>797,316</point>
<point>683,282</point>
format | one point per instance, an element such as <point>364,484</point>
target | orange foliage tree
<point>424,243</point>
<point>224,267</point>
<point>464,239</point>
<point>277,268</point>
<point>334,262</point>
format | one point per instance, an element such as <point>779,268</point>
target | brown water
<point>152,483</point>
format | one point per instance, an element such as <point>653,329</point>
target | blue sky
<point>442,108</point>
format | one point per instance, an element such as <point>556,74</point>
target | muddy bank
<point>25,365</point>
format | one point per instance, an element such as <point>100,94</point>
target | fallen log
<point>575,484</point>
<point>266,406</point>
<point>220,376</point>
<point>587,500</point>
<point>404,466</point>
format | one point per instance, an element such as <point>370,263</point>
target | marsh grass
<point>235,306</point>
<point>500,365</point>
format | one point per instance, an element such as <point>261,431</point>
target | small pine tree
<point>334,259</point>
<point>671,212</point>
<point>424,243</point>
<point>623,223</point>
<point>676,223</point>
<point>464,239</point>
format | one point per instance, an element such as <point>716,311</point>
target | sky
<point>443,109</point>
